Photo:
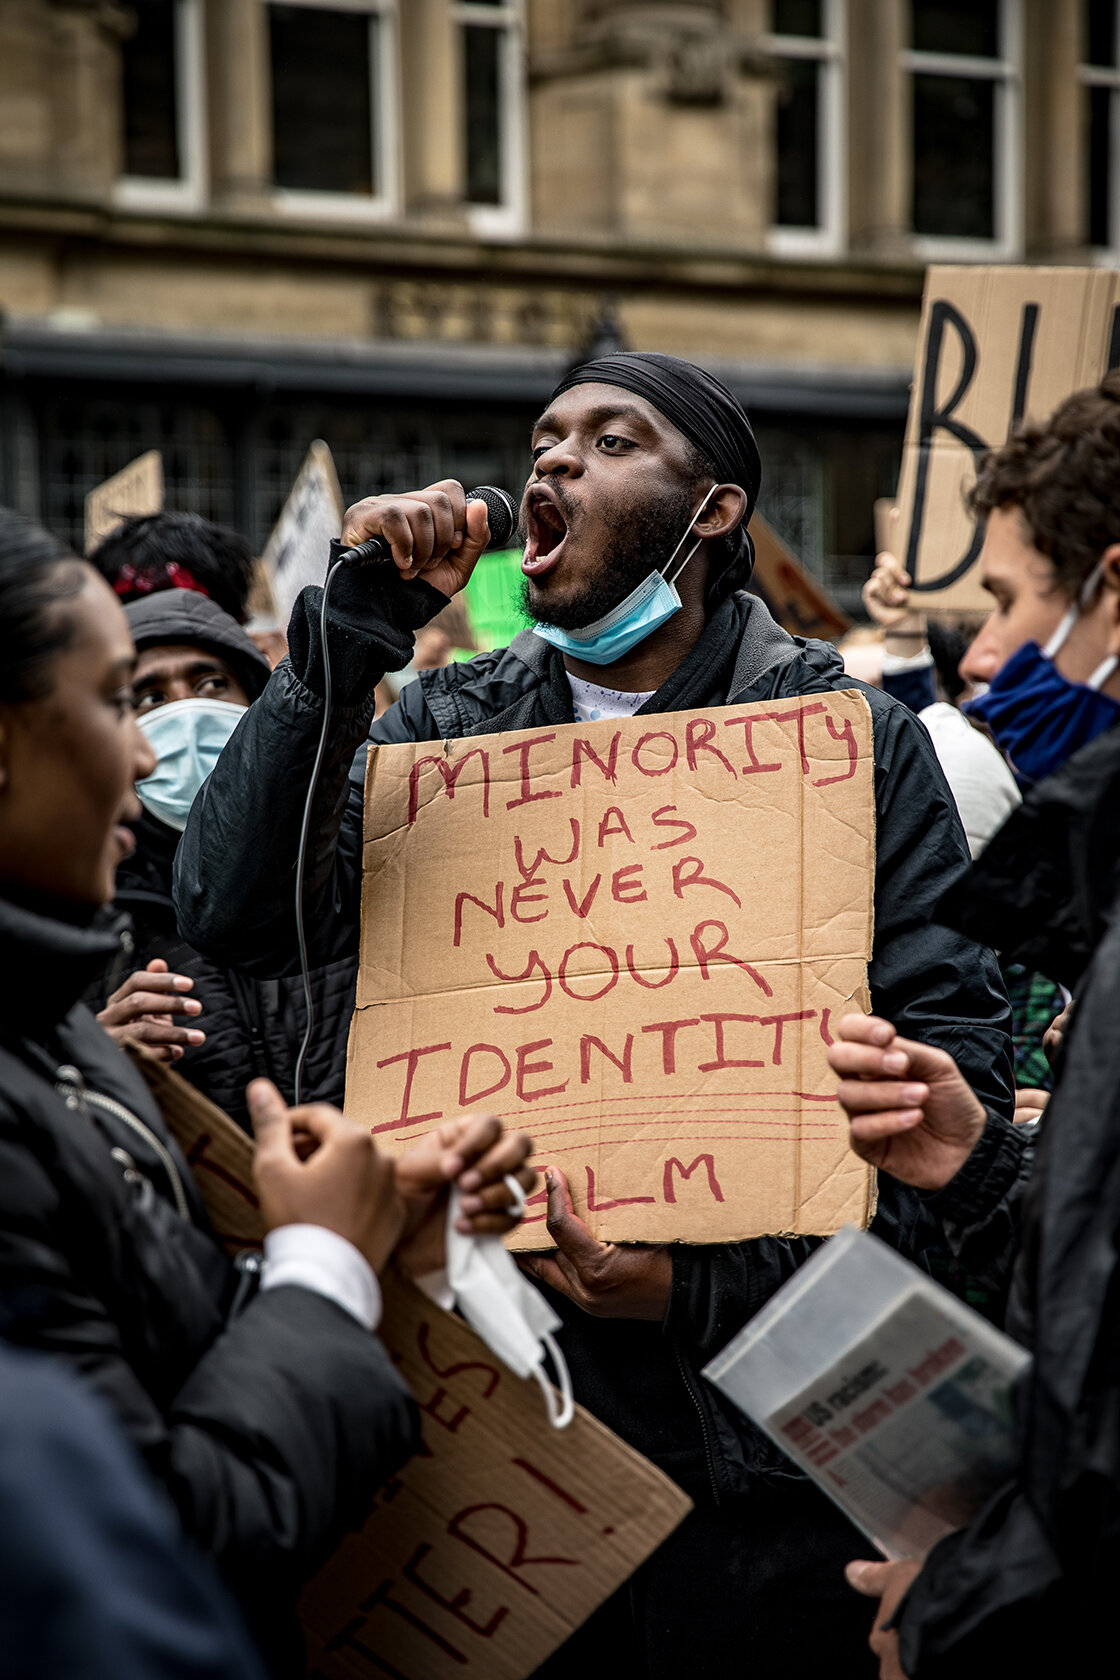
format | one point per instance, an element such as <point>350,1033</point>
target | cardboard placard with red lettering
<point>502,1535</point>
<point>629,937</point>
<point>995,345</point>
<point>796,600</point>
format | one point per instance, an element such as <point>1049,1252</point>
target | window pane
<point>797,17</point>
<point>1098,118</point>
<point>151,118</point>
<point>798,117</point>
<point>1100,31</point>
<point>954,157</point>
<point>956,26</point>
<point>482,105</point>
<point>322,112</point>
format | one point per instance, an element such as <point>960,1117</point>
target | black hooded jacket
<point>270,1417</point>
<point>1029,1587</point>
<point>641,1379</point>
<point>253,1027</point>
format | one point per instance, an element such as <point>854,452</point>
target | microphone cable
<point>502,517</point>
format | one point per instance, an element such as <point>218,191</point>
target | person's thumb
<point>157,966</point>
<point>272,1125</point>
<point>476,534</point>
<point>867,1578</point>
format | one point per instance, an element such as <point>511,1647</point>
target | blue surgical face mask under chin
<point>1038,717</point>
<point>644,610</point>
<point>187,737</point>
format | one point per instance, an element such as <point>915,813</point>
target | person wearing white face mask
<point>197,672</point>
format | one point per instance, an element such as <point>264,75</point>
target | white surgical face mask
<point>187,736</point>
<point>513,1319</point>
<point>645,609</point>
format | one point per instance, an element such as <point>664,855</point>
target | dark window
<point>1098,117</point>
<point>798,200</point>
<point>956,26</point>
<point>322,99</point>
<point>151,106</point>
<point>482,70</point>
<point>1100,32</point>
<point>954,157</point>
<point>798,17</point>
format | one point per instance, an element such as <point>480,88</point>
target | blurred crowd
<point>187,1437</point>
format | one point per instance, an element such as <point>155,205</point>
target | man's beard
<point>644,541</point>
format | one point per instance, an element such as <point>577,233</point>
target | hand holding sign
<point>435,534</point>
<point>606,1280</point>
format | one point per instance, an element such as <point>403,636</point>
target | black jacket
<point>1031,1584</point>
<point>253,1027</point>
<point>642,1380</point>
<point>270,1417</point>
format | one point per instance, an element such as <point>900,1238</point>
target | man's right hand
<point>314,1167</point>
<point>143,1011</point>
<point>435,534</point>
<point>912,1112</point>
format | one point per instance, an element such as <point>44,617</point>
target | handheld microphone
<point>500,511</point>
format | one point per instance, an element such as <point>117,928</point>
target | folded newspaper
<point>892,1394</point>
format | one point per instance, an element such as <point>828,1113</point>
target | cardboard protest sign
<point>502,1535</point>
<point>995,345</point>
<point>297,551</point>
<point>136,489</point>
<point>797,601</point>
<point>629,937</point>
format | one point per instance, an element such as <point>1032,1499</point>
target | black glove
<point>372,620</point>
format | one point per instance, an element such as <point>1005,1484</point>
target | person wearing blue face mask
<point>197,672</point>
<point>644,474</point>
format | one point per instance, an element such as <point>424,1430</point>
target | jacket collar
<point>46,964</point>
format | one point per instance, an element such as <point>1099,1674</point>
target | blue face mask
<point>1039,718</point>
<point>187,737</point>
<point>644,610</point>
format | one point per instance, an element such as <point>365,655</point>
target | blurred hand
<point>314,1167</point>
<point>143,1011</point>
<point>889,1583</point>
<point>607,1280</point>
<point>475,1154</point>
<point>435,534</point>
<point>887,600</point>
<point>912,1112</point>
<point>1030,1104</point>
<point>1054,1036</point>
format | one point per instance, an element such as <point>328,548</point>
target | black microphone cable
<point>502,517</point>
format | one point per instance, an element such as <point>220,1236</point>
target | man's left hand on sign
<point>607,1280</point>
<point>889,1583</point>
<point>143,1011</point>
<point>435,533</point>
<point>476,1155</point>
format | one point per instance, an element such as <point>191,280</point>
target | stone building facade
<point>229,226</point>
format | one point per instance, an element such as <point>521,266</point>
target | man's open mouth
<point>548,530</point>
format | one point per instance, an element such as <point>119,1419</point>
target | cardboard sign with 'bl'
<point>630,938</point>
<point>996,345</point>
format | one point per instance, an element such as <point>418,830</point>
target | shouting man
<point>645,474</point>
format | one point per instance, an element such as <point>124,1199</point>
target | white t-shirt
<point>592,702</point>
<point>977,774</point>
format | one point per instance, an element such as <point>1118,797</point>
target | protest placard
<point>502,1535</point>
<point>995,345</point>
<point>296,552</point>
<point>629,937</point>
<point>796,600</point>
<point>136,489</point>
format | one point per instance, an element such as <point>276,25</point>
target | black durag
<point>713,420</point>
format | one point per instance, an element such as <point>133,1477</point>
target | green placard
<point>493,597</point>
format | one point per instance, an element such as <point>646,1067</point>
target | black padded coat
<point>270,1417</point>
